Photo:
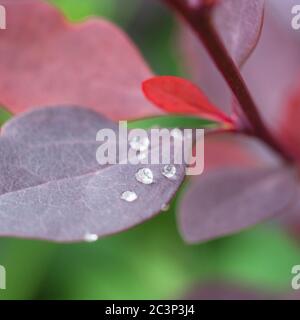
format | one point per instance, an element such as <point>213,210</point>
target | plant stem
<point>200,20</point>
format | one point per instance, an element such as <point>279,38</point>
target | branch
<point>199,18</point>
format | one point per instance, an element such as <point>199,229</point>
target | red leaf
<point>44,60</point>
<point>178,95</point>
<point>289,133</point>
<point>239,23</point>
<point>53,188</point>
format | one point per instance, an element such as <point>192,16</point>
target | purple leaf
<point>225,201</point>
<point>239,23</point>
<point>52,187</point>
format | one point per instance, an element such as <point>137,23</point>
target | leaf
<point>227,200</point>
<point>177,95</point>
<point>52,187</point>
<point>239,24</point>
<point>51,62</point>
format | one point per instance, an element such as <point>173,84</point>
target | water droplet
<point>139,143</point>
<point>129,196</point>
<point>165,207</point>
<point>144,175</point>
<point>90,237</point>
<point>169,171</point>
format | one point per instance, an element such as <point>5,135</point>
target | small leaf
<point>225,201</point>
<point>52,187</point>
<point>177,95</point>
<point>45,60</point>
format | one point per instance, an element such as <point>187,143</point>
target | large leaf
<point>44,60</point>
<point>289,133</point>
<point>237,151</point>
<point>225,201</point>
<point>52,187</point>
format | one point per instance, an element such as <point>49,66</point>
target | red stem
<point>200,20</point>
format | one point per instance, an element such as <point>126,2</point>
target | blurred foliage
<point>4,115</point>
<point>150,260</point>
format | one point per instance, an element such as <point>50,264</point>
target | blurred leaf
<point>180,96</point>
<point>101,74</point>
<point>4,115</point>
<point>45,183</point>
<point>262,257</point>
